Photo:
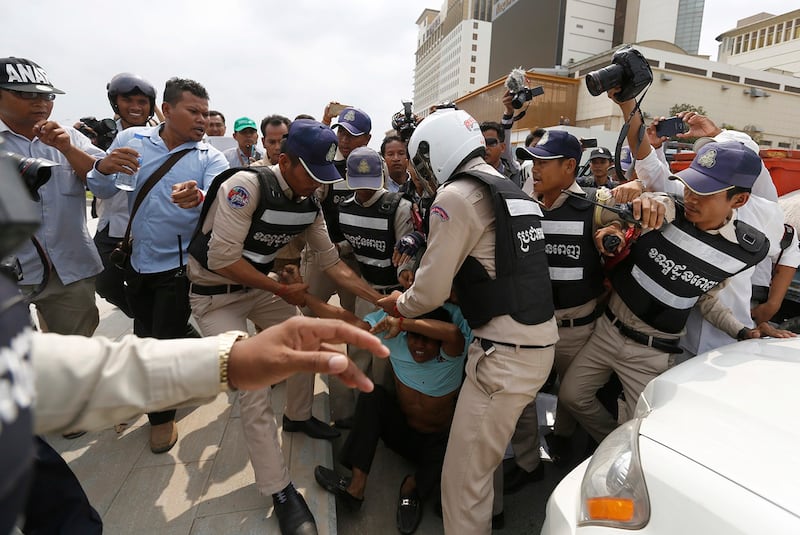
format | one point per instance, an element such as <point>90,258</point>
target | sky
<point>255,57</point>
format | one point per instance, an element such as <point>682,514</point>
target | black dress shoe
<point>409,510</point>
<point>559,449</point>
<point>311,427</point>
<point>294,516</point>
<point>337,485</point>
<point>518,478</point>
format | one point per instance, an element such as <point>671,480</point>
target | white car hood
<point>735,410</point>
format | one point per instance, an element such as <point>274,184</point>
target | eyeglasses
<point>32,95</point>
<point>491,141</point>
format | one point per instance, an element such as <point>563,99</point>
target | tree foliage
<point>677,108</point>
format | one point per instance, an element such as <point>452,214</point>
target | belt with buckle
<point>487,344</point>
<point>667,345</point>
<point>578,322</point>
<point>219,289</point>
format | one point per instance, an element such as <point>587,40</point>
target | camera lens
<point>35,171</point>
<point>604,79</point>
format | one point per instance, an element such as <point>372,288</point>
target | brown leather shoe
<point>163,437</point>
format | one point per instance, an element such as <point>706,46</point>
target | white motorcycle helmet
<point>442,142</point>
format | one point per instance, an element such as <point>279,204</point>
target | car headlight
<point>613,491</point>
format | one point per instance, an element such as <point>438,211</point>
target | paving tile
<point>240,523</point>
<point>231,483</point>
<point>158,499</point>
<point>104,462</point>
<point>200,432</point>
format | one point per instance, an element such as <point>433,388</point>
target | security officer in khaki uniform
<point>247,217</point>
<point>665,274</point>
<point>486,240</point>
<point>352,129</point>
<point>372,221</point>
<point>576,274</point>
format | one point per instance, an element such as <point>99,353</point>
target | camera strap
<point>151,181</point>
<point>623,133</point>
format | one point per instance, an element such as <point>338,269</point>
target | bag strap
<point>151,181</point>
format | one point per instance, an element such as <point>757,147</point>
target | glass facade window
<point>770,34</point>
<point>779,33</point>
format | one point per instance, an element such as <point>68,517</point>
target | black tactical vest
<point>337,193</point>
<point>521,288</point>
<point>275,222</point>
<point>575,270</point>
<point>370,230</point>
<point>667,270</point>
<point>17,393</point>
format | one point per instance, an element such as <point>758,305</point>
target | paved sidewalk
<point>205,484</point>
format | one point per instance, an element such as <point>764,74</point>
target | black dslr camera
<point>35,171</point>
<point>101,131</point>
<point>629,71</point>
<point>19,216</point>
<point>404,122</point>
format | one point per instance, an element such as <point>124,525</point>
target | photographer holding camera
<point>66,304</point>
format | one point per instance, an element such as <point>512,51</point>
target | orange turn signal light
<point>618,509</point>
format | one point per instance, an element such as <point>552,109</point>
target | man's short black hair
<point>736,190</point>
<point>175,87</point>
<point>214,113</point>
<point>391,139</point>
<point>539,132</point>
<point>304,116</point>
<point>497,127</point>
<point>273,120</point>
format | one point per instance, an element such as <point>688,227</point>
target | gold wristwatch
<point>226,341</point>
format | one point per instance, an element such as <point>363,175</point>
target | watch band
<point>226,341</point>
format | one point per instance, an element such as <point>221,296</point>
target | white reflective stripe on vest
<point>517,207</point>
<point>565,228</point>
<point>259,258</point>
<point>276,217</point>
<point>701,250</point>
<point>566,274</point>
<point>360,221</point>
<point>661,293</point>
<point>373,262</point>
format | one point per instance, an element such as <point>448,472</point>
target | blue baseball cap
<point>719,167</point>
<point>364,169</point>
<point>553,145</point>
<point>354,121</point>
<point>315,145</point>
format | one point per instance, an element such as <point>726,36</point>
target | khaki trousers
<point>321,285</point>
<point>216,314</point>
<point>525,441</point>
<point>608,351</point>
<point>498,386</point>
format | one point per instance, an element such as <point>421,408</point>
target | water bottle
<point>124,181</point>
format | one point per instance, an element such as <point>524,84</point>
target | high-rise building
<point>547,33</point>
<point>764,42</point>
<point>673,21</point>
<point>470,43</point>
<point>452,55</point>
